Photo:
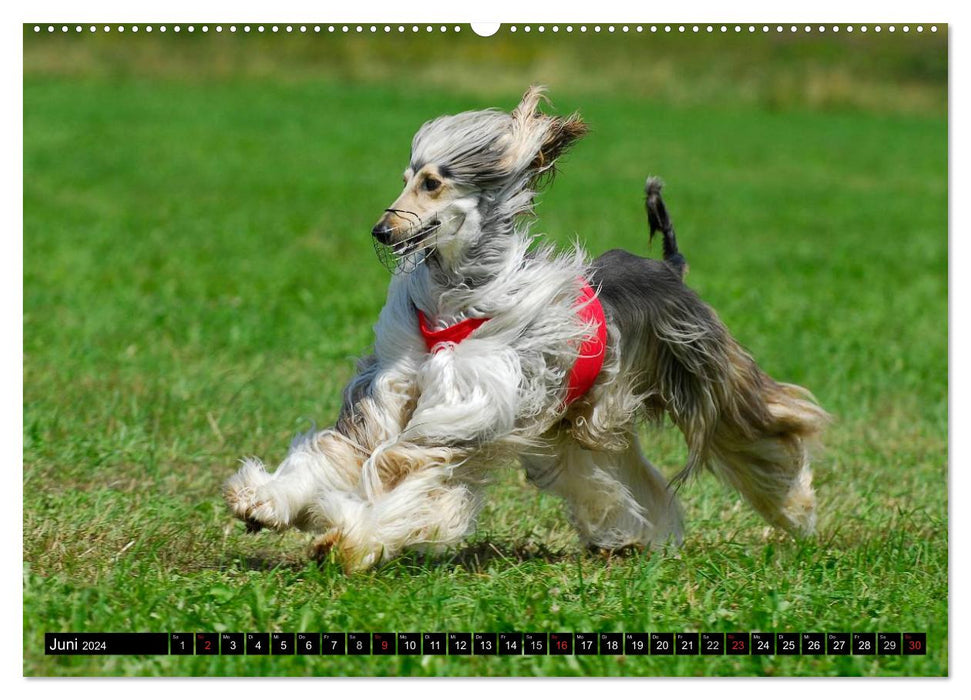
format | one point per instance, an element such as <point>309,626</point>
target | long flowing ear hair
<point>541,137</point>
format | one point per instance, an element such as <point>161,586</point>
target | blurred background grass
<point>198,277</point>
<point>888,72</point>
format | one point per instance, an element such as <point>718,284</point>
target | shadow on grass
<point>480,557</point>
<point>262,561</point>
<point>474,557</point>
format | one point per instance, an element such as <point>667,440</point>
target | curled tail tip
<point>659,220</point>
<point>656,215</point>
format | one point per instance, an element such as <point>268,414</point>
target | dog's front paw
<point>249,498</point>
<point>353,556</point>
<point>322,546</point>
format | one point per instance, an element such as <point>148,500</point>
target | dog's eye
<point>431,184</point>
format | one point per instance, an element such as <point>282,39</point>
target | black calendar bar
<point>105,643</point>
<point>487,643</point>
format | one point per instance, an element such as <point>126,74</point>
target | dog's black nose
<point>382,232</point>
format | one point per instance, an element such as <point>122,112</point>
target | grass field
<point>198,277</point>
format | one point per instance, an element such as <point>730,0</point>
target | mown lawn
<point>198,277</point>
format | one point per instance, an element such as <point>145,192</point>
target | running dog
<point>493,347</point>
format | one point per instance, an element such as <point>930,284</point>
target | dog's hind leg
<point>765,454</point>
<point>756,434</point>
<point>617,499</point>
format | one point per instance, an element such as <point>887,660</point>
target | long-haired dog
<point>491,347</point>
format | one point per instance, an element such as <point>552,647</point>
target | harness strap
<point>590,358</point>
<point>436,340</point>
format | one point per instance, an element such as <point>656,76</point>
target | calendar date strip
<point>486,643</point>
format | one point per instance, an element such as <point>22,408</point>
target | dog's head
<point>471,169</point>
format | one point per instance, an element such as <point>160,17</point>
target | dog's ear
<point>550,135</point>
<point>561,133</point>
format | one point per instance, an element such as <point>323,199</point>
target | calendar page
<point>523,349</point>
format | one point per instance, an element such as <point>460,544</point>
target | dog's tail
<point>658,220</point>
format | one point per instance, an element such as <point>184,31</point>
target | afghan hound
<point>494,347</point>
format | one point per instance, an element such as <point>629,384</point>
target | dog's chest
<point>532,356</point>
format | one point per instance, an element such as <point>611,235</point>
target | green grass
<point>198,276</point>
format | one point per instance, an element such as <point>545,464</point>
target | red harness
<point>589,361</point>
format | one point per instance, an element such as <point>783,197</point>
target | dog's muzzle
<point>404,255</point>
